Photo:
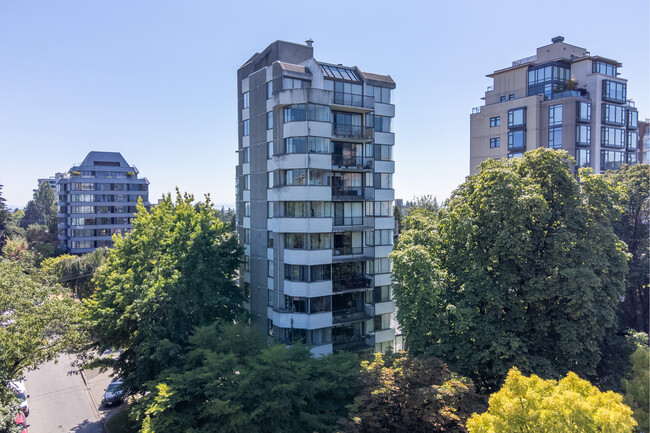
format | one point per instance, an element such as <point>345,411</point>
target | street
<point>61,402</point>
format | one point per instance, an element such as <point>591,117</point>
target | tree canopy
<point>411,395</point>
<point>230,381</point>
<point>4,220</point>
<point>637,387</point>
<point>76,272</point>
<point>520,267</point>
<point>175,271</point>
<point>533,405</point>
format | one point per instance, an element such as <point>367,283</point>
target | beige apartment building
<point>561,98</point>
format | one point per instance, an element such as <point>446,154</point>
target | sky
<point>156,79</point>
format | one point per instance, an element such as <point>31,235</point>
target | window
<point>383,180</point>
<point>495,142</point>
<point>295,241</point>
<point>515,154</point>
<point>632,158</point>
<point>511,97</point>
<point>517,117</point>
<point>502,99</point>
<point>295,209</point>
<point>246,182</point>
<point>632,119</point>
<point>349,213</point>
<point>383,266</point>
<point>246,155</point>
<point>383,209</point>
<point>269,179</point>
<point>613,114</point>
<point>247,236</point>
<point>295,177</point>
<point>555,137</point>
<point>555,115</point>
<point>632,140</point>
<point>320,241</point>
<point>247,130</point>
<point>246,100</point>
<point>269,89</point>
<point>548,79</point>
<point>583,135</point>
<point>247,209</point>
<point>320,209</point>
<point>295,272</point>
<point>614,91</point>
<point>495,121</point>
<point>583,158</point>
<point>296,304</point>
<point>382,294</point>
<point>584,111</point>
<point>307,145</point>
<point>269,120</point>
<point>320,304</point>
<point>269,150</point>
<point>302,112</point>
<point>270,237</point>
<point>603,68</point>
<point>517,139</point>
<point>247,263</point>
<point>321,272</point>
<point>611,159</point>
<point>381,94</point>
<point>612,137</point>
<point>319,177</point>
<point>383,152</point>
<point>294,83</point>
<point>269,210</point>
<point>345,93</point>
<point>383,124</point>
<point>270,303</point>
<point>271,269</point>
<point>382,321</point>
<point>382,237</point>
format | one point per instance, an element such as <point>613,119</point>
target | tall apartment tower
<point>314,199</point>
<point>97,199</point>
<point>561,98</point>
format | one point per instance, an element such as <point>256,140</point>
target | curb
<point>95,406</point>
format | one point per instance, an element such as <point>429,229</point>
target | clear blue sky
<point>156,80</point>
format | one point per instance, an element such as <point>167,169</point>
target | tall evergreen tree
<point>4,220</point>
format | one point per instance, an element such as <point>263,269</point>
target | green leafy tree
<point>42,210</point>
<point>632,227</point>
<point>411,395</point>
<point>533,405</point>
<point>520,267</point>
<point>76,272</point>
<point>173,272</point>
<point>637,387</point>
<point>8,411</point>
<point>230,381</point>
<point>39,320</point>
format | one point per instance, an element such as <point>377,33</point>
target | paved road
<point>61,402</point>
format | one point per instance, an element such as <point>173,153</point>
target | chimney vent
<point>557,39</point>
<point>309,42</point>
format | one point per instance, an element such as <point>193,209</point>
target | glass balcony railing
<point>347,251</point>
<point>358,162</point>
<point>351,100</point>
<point>352,131</point>
<point>347,191</point>
<point>351,283</point>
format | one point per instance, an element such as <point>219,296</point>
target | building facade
<point>560,98</point>
<point>97,199</point>
<point>315,198</point>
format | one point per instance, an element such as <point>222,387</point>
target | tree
<point>533,405</point>
<point>520,267</point>
<point>76,272</point>
<point>39,320</point>
<point>175,271</point>
<point>8,411</point>
<point>230,381</point>
<point>637,387</point>
<point>411,395</point>
<point>631,226</point>
<point>42,210</point>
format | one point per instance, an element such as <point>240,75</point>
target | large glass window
<point>603,68</point>
<point>584,111</point>
<point>383,124</point>
<point>517,139</point>
<point>321,272</point>
<point>383,208</point>
<point>583,135</point>
<point>611,159</point>
<point>383,180</point>
<point>296,272</point>
<point>383,152</point>
<point>555,137</point>
<point>247,127</point>
<point>632,119</point>
<point>548,79</point>
<point>320,241</point>
<point>246,100</point>
<point>269,120</point>
<point>269,89</point>
<point>495,121</point>
<point>612,137</point>
<point>302,112</point>
<point>295,177</point>
<point>348,213</point>
<point>381,94</point>
<point>517,117</point>
<point>294,83</point>
<point>295,241</point>
<point>614,91</point>
<point>495,142</point>
<point>307,145</point>
<point>632,140</point>
<point>345,93</point>
<point>555,115</point>
<point>583,158</point>
<point>613,114</point>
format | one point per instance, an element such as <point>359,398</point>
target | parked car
<point>21,393</point>
<point>20,420</point>
<point>114,394</point>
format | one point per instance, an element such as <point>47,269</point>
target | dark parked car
<point>114,394</point>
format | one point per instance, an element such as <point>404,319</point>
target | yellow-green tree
<point>637,388</point>
<point>534,405</point>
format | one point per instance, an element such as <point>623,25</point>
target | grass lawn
<point>119,423</point>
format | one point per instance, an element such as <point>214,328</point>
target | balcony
<point>351,283</point>
<point>348,251</point>
<point>347,193</point>
<point>350,315</point>
<point>346,223</point>
<point>352,132</point>
<point>569,94</point>
<point>351,100</point>
<point>352,162</point>
<point>349,342</point>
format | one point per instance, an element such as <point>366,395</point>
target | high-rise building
<point>561,98</point>
<point>97,199</point>
<point>315,198</point>
<point>50,180</point>
<point>644,141</point>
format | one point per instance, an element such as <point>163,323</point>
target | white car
<point>21,392</point>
